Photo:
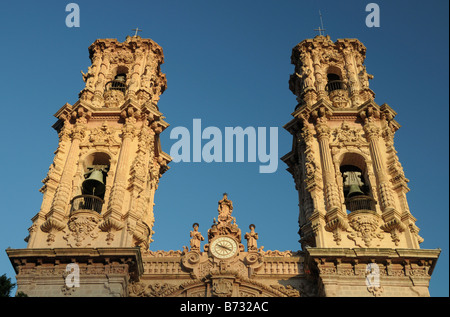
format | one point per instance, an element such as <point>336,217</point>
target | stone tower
<point>99,191</point>
<point>351,185</point>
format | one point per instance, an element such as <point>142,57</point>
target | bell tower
<point>99,190</point>
<point>350,183</point>
<point>109,159</point>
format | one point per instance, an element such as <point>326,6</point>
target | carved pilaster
<point>56,216</point>
<point>391,216</point>
<point>122,171</point>
<point>323,135</point>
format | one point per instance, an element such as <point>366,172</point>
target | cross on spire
<point>137,30</point>
<point>320,29</point>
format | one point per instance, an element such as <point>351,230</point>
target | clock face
<point>223,247</point>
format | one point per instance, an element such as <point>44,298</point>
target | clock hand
<point>224,247</point>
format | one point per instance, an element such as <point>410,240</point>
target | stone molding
<point>405,272</point>
<point>102,271</point>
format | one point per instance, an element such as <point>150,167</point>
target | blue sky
<point>227,63</point>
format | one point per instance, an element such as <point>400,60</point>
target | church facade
<point>92,233</point>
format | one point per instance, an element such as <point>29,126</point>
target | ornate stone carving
<point>365,227</point>
<point>226,224</point>
<point>222,287</point>
<point>289,290</point>
<point>161,253</point>
<point>376,291</point>
<point>82,229</point>
<point>337,226</point>
<point>346,135</point>
<point>113,98</point>
<point>122,57</point>
<point>277,253</point>
<point>139,289</point>
<point>339,98</point>
<point>394,227</point>
<point>102,136</point>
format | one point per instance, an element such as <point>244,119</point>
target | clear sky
<point>228,64</point>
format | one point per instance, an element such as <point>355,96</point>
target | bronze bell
<point>93,185</point>
<point>354,190</point>
<point>353,183</point>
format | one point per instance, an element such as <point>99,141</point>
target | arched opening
<point>120,80</point>
<point>356,187</point>
<point>95,167</point>
<point>334,79</point>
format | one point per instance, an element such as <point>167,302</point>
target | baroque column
<point>335,217</point>
<point>390,213</point>
<point>55,218</point>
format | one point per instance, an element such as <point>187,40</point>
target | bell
<point>94,184</point>
<point>354,191</point>
<point>353,183</point>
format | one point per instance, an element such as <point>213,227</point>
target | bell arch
<point>354,172</point>
<point>335,79</point>
<point>90,183</point>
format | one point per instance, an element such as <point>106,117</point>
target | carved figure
<point>225,209</point>
<point>251,238</point>
<point>196,237</point>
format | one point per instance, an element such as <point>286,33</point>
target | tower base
<point>82,272</point>
<point>363,272</point>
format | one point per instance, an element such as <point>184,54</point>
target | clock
<point>223,247</point>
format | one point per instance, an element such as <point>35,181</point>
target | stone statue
<point>196,237</point>
<point>364,77</point>
<point>251,238</point>
<point>225,209</point>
